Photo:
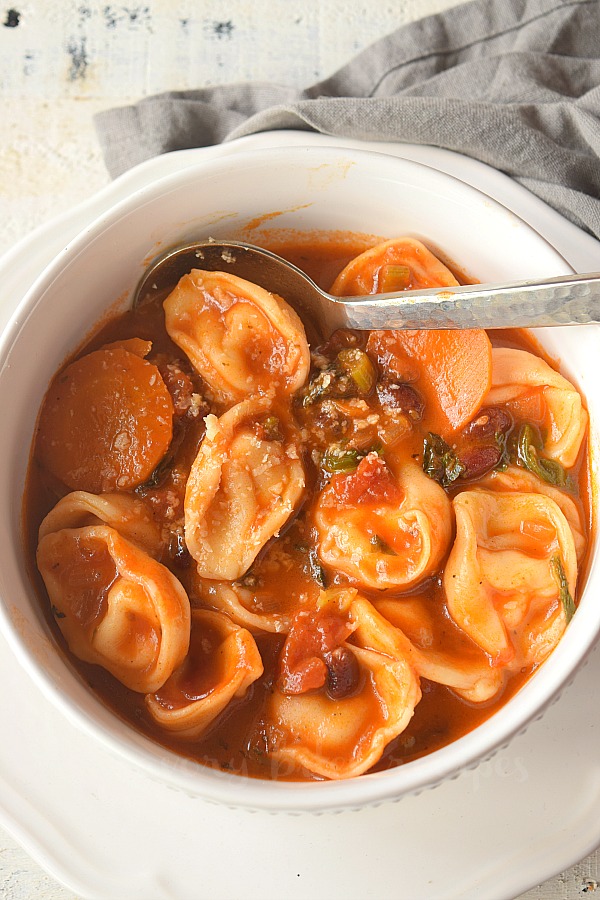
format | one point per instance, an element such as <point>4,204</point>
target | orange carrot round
<point>135,345</point>
<point>452,370</point>
<point>106,422</point>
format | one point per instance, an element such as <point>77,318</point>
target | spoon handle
<point>568,300</point>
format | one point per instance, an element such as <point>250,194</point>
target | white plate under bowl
<point>109,789</point>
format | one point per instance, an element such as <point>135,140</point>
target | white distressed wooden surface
<point>63,60</point>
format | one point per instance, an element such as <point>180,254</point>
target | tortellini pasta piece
<point>280,584</point>
<point>515,478</point>
<point>501,578</point>
<point>126,514</point>
<point>222,662</point>
<point>115,605</point>
<point>389,533</point>
<point>242,488</point>
<point>436,654</point>
<point>400,264</point>
<point>242,339</point>
<point>344,737</point>
<point>237,601</point>
<point>517,374</point>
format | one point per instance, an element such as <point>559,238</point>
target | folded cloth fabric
<point>514,83</point>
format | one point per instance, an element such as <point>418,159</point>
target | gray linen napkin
<point>514,83</point>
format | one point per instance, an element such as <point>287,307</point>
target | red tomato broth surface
<point>240,739</point>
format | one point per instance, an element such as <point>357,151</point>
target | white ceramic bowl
<point>309,188</point>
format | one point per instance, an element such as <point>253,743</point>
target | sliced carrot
<point>106,422</point>
<point>452,370</point>
<point>135,345</point>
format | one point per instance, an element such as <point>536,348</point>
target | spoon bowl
<point>565,300</point>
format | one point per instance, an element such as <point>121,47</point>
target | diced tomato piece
<point>371,482</point>
<point>312,636</point>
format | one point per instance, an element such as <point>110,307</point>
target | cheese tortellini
<point>438,655</point>
<point>243,486</point>
<point>520,480</point>
<point>239,603</point>
<point>115,605</point>
<point>519,376</point>
<point>388,537</point>
<point>502,578</point>
<point>222,664</point>
<point>344,737</point>
<point>239,337</point>
<point>399,264</point>
<point>126,514</point>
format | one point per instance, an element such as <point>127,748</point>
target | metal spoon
<point>566,300</point>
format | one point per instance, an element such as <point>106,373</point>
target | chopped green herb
<point>272,429</point>
<point>338,459</point>
<point>382,546</point>
<point>316,569</point>
<point>314,565</point>
<point>346,459</point>
<point>501,442</point>
<point>358,366</point>
<point>324,384</point>
<point>563,587</point>
<point>351,373</point>
<point>440,461</point>
<point>529,444</point>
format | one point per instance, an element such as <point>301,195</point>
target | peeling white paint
<point>66,60</point>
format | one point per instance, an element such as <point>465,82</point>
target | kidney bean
<point>490,421</point>
<point>341,340</point>
<point>401,396</point>
<point>180,387</point>
<point>478,461</point>
<point>178,551</point>
<point>343,673</point>
<point>479,448</point>
<point>186,399</point>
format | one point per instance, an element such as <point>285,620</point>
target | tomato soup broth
<point>306,567</point>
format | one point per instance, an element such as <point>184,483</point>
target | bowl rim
<point>165,183</point>
<point>279,796</point>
